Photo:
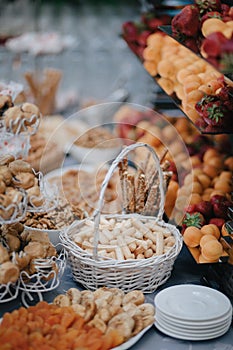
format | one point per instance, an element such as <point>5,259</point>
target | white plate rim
<point>126,345</point>
<point>167,292</point>
<point>192,338</point>
<point>194,331</point>
<point>195,324</point>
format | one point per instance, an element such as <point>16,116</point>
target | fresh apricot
<point>210,170</point>
<point>197,171</point>
<point>195,160</point>
<point>226,175</point>
<point>223,186</point>
<point>197,187</point>
<point>195,198</point>
<point>211,229</point>
<point>192,236</point>
<point>217,162</point>
<point>210,153</point>
<point>206,238</point>
<point>212,250</point>
<point>229,163</point>
<point>204,180</point>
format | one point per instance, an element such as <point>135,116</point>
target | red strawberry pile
<point>216,110</point>
<point>136,33</point>
<point>218,50</point>
<point>214,211</point>
<point>186,27</point>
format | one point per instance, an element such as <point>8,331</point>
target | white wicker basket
<point>94,271</point>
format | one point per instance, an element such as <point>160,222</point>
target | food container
<point>94,271</point>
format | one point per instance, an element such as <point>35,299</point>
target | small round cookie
<point>19,166</point>
<point>24,180</point>
<point>6,159</point>
<point>8,272</point>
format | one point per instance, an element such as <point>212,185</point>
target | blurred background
<point>95,63</point>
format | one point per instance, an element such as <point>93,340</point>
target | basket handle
<point>108,176</point>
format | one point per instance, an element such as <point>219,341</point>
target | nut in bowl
<point>53,222</point>
<point>96,145</point>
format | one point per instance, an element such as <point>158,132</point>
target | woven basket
<point>94,271</point>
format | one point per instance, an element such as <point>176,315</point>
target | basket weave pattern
<point>94,271</point>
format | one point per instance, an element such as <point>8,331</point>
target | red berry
<point>211,14</point>
<point>212,44</point>
<point>153,23</point>
<point>142,38</point>
<point>187,21</point>
<point>130,31</point>
<point>218,222</point>
<point>205,208</point>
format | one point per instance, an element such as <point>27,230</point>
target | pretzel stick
<point>140,192</point>
<point>151,205</point>
<point>131,194</point>
<point>123,172</point>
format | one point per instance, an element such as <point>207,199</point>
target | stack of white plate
<point>192,312</point>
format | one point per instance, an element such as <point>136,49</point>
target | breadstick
<point>140,193</point>
<point>150,206</point>
<point>148,253</point>
<point>139,250</point>
<point>131,194</point>
<point>140,226</point>
<point>119,254</point>
<point>129,232</point>
<point>123,171</point>
<point>124,248</point>
<point>159,243</point>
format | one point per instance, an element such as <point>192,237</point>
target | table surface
<point>185,271</point>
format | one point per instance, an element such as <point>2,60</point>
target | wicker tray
<point>94,271</point>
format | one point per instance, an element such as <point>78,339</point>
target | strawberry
<point>220,209</point>
<point>211,14</point>
<point>186,22</point>
<point>218,222</point>
<point>205,208</point>
<point>130,31</point>
<point>191,43</point>
<point>225,9</point>
<point>208,5</point>
<point>191,208</point>
<point>217,199</point>
<point>142,38</point>
<point>212,44</point>
<point>195,219</point>
<point>154,23</point>
<point>211,110</point>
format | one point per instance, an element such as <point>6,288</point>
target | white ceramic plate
<point>190,331</point>
<point>132,341</point>
<point>195,324</point>
<point>94,155</point>
<point>61,171</point>
<point>185,336</point>
<point>192,302</point>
